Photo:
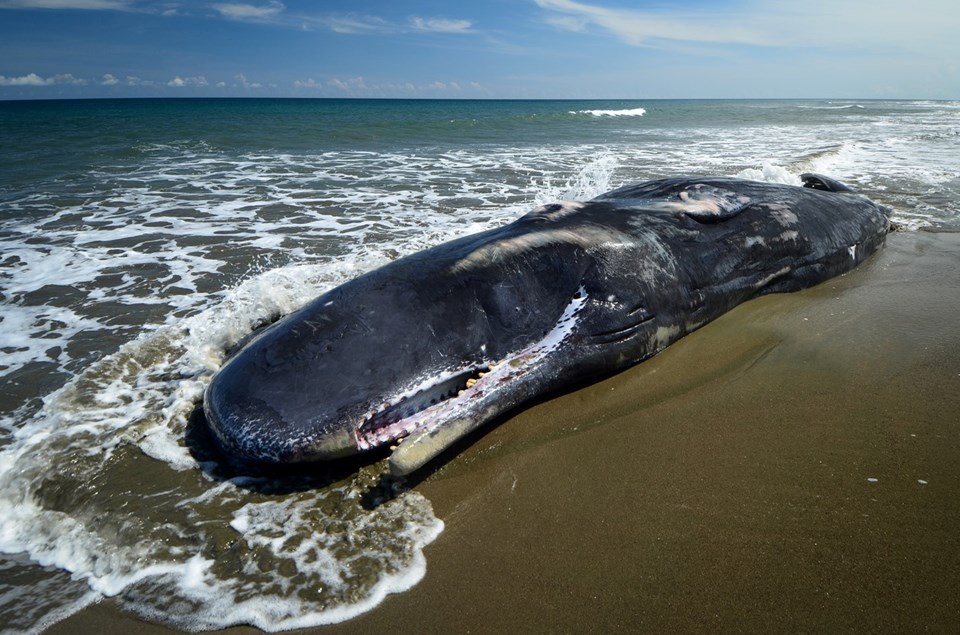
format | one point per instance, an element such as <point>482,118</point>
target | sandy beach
<point>792,467</point>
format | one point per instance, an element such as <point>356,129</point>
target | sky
<point>501,49</point>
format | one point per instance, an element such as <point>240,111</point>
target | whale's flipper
<point>825,183</point>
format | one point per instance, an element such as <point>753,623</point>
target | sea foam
<point>100,480</point>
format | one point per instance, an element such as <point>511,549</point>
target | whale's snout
<point>252,427</point>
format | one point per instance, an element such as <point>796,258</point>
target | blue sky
<point>480,48</point>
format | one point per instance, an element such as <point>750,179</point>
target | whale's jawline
<point>396,421</point>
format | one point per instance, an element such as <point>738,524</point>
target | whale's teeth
<point>471,382</point>
<point>481,374</point>
<point>460,392</point>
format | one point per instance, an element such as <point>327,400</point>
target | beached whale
<point>433,345</point>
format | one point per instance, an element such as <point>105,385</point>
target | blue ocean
<point>140,240</point>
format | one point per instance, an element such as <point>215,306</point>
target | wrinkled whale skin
<point>433,345</point>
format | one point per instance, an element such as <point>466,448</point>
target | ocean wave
<point>836,107</point>
<point>770,173</point>
<point>828,159</point>
<point>101,484</point>
<point>99,479</point>
<point>628,112</point>
<point>160,237</point>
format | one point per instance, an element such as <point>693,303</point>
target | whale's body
<point>433,345</point>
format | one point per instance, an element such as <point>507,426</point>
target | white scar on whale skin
<point>556,211</point>
<point>703,201</point>
<point>584,237</point>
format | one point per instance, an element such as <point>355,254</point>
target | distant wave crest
<point>838,107</point>
<point>629,112</point>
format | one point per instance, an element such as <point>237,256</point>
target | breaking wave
<point>628,112</point>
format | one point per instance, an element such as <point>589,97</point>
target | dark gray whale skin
<point>433,345</point>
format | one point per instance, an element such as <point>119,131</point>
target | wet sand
<point>791,467</point>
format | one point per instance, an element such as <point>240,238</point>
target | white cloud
<point>310,84</point>
<point>838,24</point>
<point>91,5</point>
<point>26,80</point>
<point>180,82</point>
<point>440,25</point>
<point>361,87</point>
<point>368,24</point>
<point>355,24</point>
<point>245,83</point>
<point>32,79</point>
<point>69,79</point>
<point>109,80</point>
<point>638,27</point>
<point>444,87</point>
<point>352,86</point>
<point>568,23</point>
<point>242,11</point>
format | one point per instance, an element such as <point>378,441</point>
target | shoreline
<point>790,466</point>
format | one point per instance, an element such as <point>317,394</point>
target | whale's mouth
<point>460,400</point>
<point>422,406</point>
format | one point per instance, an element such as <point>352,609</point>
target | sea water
<point>141,239</point>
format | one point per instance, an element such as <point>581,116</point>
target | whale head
<point>417,353</point>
